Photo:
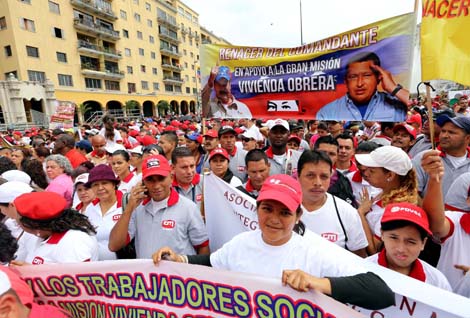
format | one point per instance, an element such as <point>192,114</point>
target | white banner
<point>229,212</point>
<point>136,288</point>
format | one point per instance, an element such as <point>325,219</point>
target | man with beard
<point>223,104</point>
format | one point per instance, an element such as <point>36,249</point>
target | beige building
<point>122,56</point>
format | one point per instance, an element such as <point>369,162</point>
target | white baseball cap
<point>82,178</point>
<point>277,122</point>
<point>136,149</point>
<point>249,134</point>
<point>10,190</point>
<point>112,148</point>
<point>5,284</point>
<point>16,175</point>
<point>389,157</point>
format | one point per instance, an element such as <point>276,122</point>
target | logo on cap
<point>38,261</point>
<point>153,163</point>
<point>395,209</point>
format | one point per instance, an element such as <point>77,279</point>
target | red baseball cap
<point>282,188</point>
<point>297,138</point>
<point>133,133</point>
<point>42,206</point>
<point>155,165</point>
<point>146,140</point>
<point>409,129</point>
<point>405,211</point>
<point>219,151</point>
<point>211,133</point>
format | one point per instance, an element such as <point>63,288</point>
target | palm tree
<point>163,107</point>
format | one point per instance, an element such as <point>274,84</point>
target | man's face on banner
<point>361,82</point>
<point>222,90</point>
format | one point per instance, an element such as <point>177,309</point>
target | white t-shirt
<point>117,137</point>
<point>104,224</point>
<point>430,274</point>
<point>455,249</point>
<point>128,183</point>
<point>248,253</point>
<point>374,217</point>
<point>325,223</point>
<point>72,246</point>
<point>24,239</point>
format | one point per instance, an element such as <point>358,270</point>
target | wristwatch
<point>397,88</point>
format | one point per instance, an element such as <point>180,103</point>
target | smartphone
<point>146,192</point>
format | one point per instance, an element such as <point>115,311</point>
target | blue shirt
<point>382,107</point>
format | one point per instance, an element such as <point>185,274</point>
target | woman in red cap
<point>105,210</point>
<point>218,163</point>
<point>64,236</point>
<point>405,230</point>
<point>276,250</point>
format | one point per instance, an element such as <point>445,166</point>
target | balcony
<point>168,5</point>
<point>191,34</point>
<point>96,50</point>
<point>173,80</point>
<point>184,30</point>
<point>168,37</point>
<point>92,6</point>
<point>168,22</point>
<point>96,29</point>
<point>173,67</point>
<point>171,52</point>
<point>94,70</point>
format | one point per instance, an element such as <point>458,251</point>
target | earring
<point>38,234</point>
<point>389,179</point>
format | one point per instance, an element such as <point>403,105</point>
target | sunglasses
<point>247,139</point>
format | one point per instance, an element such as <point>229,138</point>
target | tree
<point>130,106</point>
<point>85,108</point>
<point>163,107</point>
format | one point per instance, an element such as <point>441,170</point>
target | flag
<point>444,42</point>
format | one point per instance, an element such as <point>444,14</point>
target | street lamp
<point>301,31</point>
<point>196,67</point>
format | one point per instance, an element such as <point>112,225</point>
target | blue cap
<point>461,122</point>
<point>84,144</point>
<point>224,72</point>
<point>195,137</point>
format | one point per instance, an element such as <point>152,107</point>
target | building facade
<point>123,56</point>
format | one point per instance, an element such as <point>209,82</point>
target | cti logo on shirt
<point>38,261</point>
<point>199,197</point>
<point>116,217</point>
<point>332,237</point>
<point>168,224</point>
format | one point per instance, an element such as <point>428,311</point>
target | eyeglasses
<point>247,139</point>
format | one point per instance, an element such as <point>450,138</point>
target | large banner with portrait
<point>357,75</point>
<point>230,211</point>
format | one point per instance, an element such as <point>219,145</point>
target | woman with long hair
<point>64,236</point>
<point>388,168</point>
<point>121,167</point>
<point>105,210</point>
<point>112,136</point>
<point>34,168</point>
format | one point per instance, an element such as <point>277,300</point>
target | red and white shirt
<point>104,223</point>
<point>73,246</point>
<point>129,182</point>
<point>421,271</point>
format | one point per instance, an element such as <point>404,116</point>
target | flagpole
<point>301,30</point>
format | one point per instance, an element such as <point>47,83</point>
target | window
<point>54,7</point>
<point>131,88</point>
<point>191,54</point>
<point>3,23</point>
<point>153,55</point>
<point>123,15</point>
<point>32,51</point>
<point>192,67</point>
<point>186,78</point>
<point>188,90</point>
<point>145,85</point>
<point>61,57</point>
<point>137,17</point>
<point>111,85</point>
<point>168,88</point>
<point>26,1</point>
<point>130,70</point>
<point>65,80</point>
<point>58,33</point>
<point>142,68</point>
<point>190,41</point>
<point>127,52</point>
<point>149,23</point>
<point>148,7</point>
<point>141,52</point>
<point>154,70</point>
<point>7,50</point>
<point>35,76</point>
<point>7,74</point>
<point>185,64</point>
<point>185,52</point>
<point>151,39</point>
<point>194,90</point>
<point>139,35</point>
<point>156,86</point>
<point>178,89</point>
<point>125,33</point>
<point>92,83</point>
<point>27,25</point>
<point>194,79</point>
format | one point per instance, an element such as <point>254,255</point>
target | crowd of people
<point>380,190</point>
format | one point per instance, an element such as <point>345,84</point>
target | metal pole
<point>301,32</point>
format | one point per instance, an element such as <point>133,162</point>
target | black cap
<point>227,129</point>
<point>461,122</point>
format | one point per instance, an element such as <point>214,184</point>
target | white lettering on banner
<point>137,288</point>
<point>294,84</point>
<point>414,299</point>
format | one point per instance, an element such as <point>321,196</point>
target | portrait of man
<point>217,98</point>
<point>363,101</point>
